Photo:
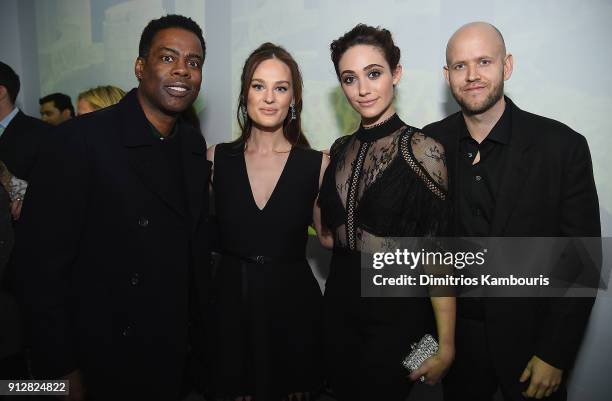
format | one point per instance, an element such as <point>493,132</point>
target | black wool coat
<point>107,256</point>
<point>21,142</point>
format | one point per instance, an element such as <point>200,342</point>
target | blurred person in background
<point>56,108</point>
<point>98,98</point>
<point>20,138</point>
<point>20,143</point>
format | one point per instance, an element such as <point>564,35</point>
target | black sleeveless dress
<point>387,181</point>
<point>267,302</point>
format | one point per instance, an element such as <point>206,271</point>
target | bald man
<point>513,174</point>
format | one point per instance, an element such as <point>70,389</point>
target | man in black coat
<point>12,361</point>
<point>512,174</point>
<point>21,140</point>
<point>115,234</point>
<point>21,137</point>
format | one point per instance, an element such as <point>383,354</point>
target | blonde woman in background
<point>98,98</point>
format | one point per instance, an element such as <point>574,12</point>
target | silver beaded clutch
<point>425,348</point>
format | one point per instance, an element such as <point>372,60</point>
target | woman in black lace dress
<point>385,180</point>
<point>267,302</point>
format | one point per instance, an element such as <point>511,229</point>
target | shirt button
<point>477,211</point>
<point>143,222</point>
<point>478,178</point>
<point>135,279</point>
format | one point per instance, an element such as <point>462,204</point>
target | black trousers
<point>473,375</point>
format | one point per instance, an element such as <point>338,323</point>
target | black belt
<point>261,259</point>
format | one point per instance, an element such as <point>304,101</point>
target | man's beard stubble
<point>490,100</point>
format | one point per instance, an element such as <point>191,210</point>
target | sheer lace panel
<point>380,154</point>
<point>429,154</point>
<point>344,167</point>
<point>360,166</point>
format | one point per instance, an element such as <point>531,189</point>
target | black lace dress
<point>386,181</point>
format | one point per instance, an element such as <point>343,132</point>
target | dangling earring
<point>292,108</point>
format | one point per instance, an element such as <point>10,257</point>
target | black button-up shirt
<point>479,183</point>
<point>478,186</point>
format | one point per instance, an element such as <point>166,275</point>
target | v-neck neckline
<point>248,180</point>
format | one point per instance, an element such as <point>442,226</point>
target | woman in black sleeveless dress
<point>267,302</point>
<point>385,180</point>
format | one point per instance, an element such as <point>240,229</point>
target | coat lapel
<point>145,159</point>
<point>515,171</point>
<point>196,170</point>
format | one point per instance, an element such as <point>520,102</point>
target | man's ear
<point>508,66</point>
<point>3,92</point>
<point>66,114</point>
<point>446,75</point>
<point>139,66</point>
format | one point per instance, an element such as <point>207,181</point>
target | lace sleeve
<point>338,145</point>
<point>426,157</point>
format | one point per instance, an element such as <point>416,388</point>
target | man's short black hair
<point>10,80</point>
<point>165,22</point>
<point>61,102</point>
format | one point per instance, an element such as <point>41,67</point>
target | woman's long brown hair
<point>292,129</point>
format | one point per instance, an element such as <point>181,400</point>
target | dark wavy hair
<point>10,80</point>
<point>292,129</point>
<point>60,101</point>
<point>165,22</point>
<point>363,34</point>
